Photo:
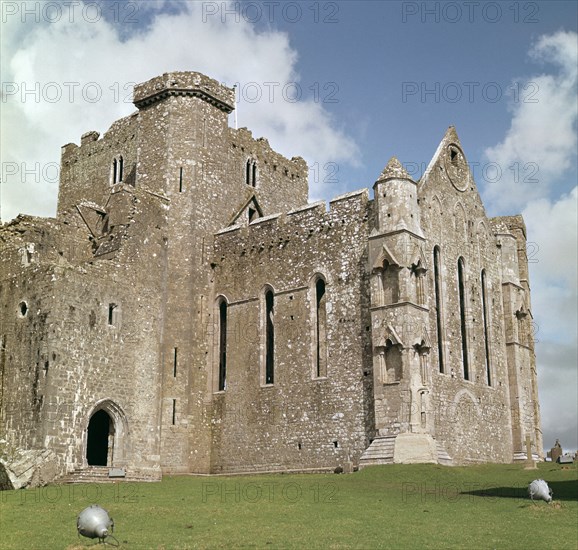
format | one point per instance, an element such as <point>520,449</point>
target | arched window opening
<point>463,321</point>
<point>438,302</point>
<point>117,170</point>
<point>418,271</point>
<point>485,315</point>
<point>251,173</point>
<point>269,338</point>
<point>389,284</point>
<point>393,362</point>
<point>320,329</point>
<point>114,171</point>
<point>222,345</point>
<point>100,443</point>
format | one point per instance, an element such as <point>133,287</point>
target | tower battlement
<point>184,84</point>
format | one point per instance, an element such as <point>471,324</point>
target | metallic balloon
<point>94,522</point>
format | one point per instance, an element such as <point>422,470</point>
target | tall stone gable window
<point>439,307</point>
<point>463,321</point>
<point>251,173</point>
<point>319,327</point>
<point>222,344</point>
<point>116,173</point>
<point>268,336</point>
<point>485,316</point>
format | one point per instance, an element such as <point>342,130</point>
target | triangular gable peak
<point>423,343</point>
<point>419,262</point>
<point>249,210</point>
<point>448,174</point>
<point>386,255</point>
<point>450,159</point>
<point>94,216</point>
<point>389,334</point>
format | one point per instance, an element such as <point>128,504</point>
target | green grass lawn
<point>421,506</point>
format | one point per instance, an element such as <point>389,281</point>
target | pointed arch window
<point>463,319</point>
<point>389,283</point>
<point>268,337</point>
<point>439,306</point>
<point>117,169</point>
<point>392,362</point>
<point>486,320</point>
<point>251,172</point>
<point>320,328</point>
<point>222,344</point>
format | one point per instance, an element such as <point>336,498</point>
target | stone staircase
<point>443,456</point>
<point>381,452</point>
<point>101,474</point>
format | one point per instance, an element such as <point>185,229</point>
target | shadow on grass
<point>563,490</point>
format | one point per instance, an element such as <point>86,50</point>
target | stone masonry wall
<point>300,421</point>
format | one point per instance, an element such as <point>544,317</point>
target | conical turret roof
<point>394,170</point>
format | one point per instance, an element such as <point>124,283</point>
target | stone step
<point>382,448</point>
<point>100,474</point>
<point>380,451</point>
<point>443,456</point>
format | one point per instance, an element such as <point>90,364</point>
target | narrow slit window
<point>174,418</point>
<point>486,327</point>
<point>320,329</point>
<point>269,338</point>
<point>248,173</point>
<point>120,168</point>
<point>438,302</point>
<point>181,179</point>
<point>114,171</point>
<point>112,314</point>
<point>254,175</point>
<point>463,322</point>
<point>175,360</point>
<point>222,345</point>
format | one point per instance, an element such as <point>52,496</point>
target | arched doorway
<point>100,443</point>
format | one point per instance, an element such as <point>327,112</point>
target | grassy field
<point>422,506</point>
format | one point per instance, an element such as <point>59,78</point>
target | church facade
<point>187,310</point>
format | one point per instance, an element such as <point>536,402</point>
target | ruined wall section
<point>71,358</point>
<point>301,421</point>
<point>472,417</point>
<point>26,297</point>
<point>86,171</point>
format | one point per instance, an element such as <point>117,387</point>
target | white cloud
<point>557,383</point>
<point>543,135</point>
<point>540,145</point>
<point>47,56</point>
<point>553,227</point>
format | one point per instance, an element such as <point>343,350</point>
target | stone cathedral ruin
<point>187,310</point>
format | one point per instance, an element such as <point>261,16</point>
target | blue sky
<point>377,79</point>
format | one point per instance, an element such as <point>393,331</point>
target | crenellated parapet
<point>188,83</point>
